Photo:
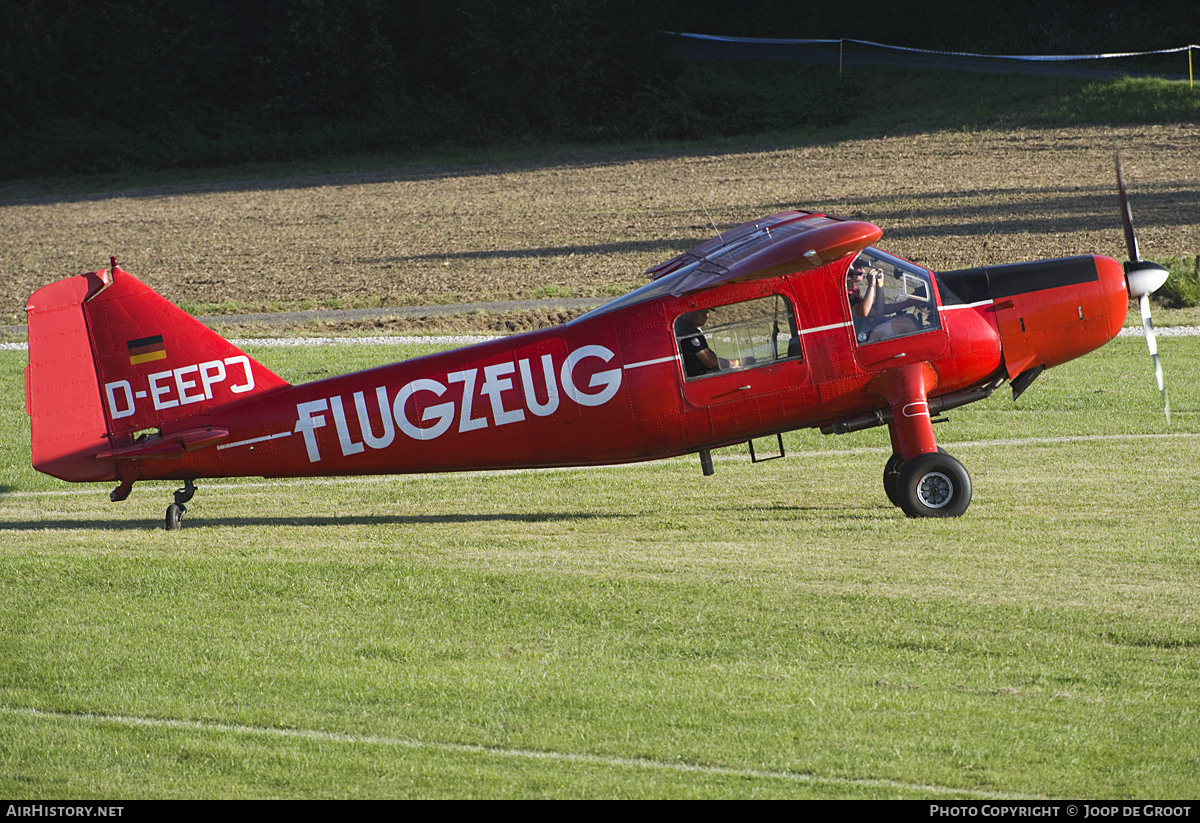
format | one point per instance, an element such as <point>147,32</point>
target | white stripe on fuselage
<point>968,305</point>
<point>830,327</point>
<point>847,324</point>
<point>654,362</point>
<point>253,440</point>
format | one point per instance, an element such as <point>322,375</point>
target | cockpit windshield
<point>889,297</point>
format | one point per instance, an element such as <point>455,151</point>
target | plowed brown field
<point>590,224</point>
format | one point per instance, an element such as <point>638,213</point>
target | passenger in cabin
<point>698,358</point>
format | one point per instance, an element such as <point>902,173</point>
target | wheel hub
<point>935,490</point>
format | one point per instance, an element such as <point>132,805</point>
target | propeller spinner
<point>1142,278</point>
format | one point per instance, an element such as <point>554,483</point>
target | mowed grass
<point>776,630</point>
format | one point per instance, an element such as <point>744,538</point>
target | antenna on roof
<point>710,220</point>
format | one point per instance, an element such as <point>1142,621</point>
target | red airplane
<point>789,322</point>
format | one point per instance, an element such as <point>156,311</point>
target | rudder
<point>62,390</point>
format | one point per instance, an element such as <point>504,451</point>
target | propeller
<point>1142,278</point>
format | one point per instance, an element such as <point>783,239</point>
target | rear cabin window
<point>737,336</point>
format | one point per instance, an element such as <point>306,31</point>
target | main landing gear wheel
<point>891,476</point>
<point>933,485</point>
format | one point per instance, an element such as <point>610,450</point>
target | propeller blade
<point>1152,344</point>
<point>1126,215</point>
<point>1151,340</point>
<point>1141,279</point>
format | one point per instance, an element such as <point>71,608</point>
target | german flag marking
<point>146,349</point>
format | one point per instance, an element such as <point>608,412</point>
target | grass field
<point>776,630</point>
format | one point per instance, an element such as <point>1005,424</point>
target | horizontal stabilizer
<point>170,446</point>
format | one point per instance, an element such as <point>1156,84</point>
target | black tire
<point>934,485</point>
<point>891,478</point>
<point>174,517</point>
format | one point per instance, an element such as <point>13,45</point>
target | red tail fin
<point>109,357</point>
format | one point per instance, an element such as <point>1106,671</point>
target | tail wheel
<point>934,485</point>
<point>178,509</point>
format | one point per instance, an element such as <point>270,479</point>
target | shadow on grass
<point>950,213</point>
<point>348,520</point>
<point>851,509</point>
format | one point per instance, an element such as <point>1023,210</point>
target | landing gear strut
<point>178,509</point>
<point>931,483</point>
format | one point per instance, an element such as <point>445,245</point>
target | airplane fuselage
<point>611,389</point>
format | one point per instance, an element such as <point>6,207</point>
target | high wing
<point>784,243</point>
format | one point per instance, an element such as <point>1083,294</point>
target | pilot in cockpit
<point>874,318</point>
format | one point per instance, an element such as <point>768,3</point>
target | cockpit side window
<point>889,297</point>
<point>737,336</point>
